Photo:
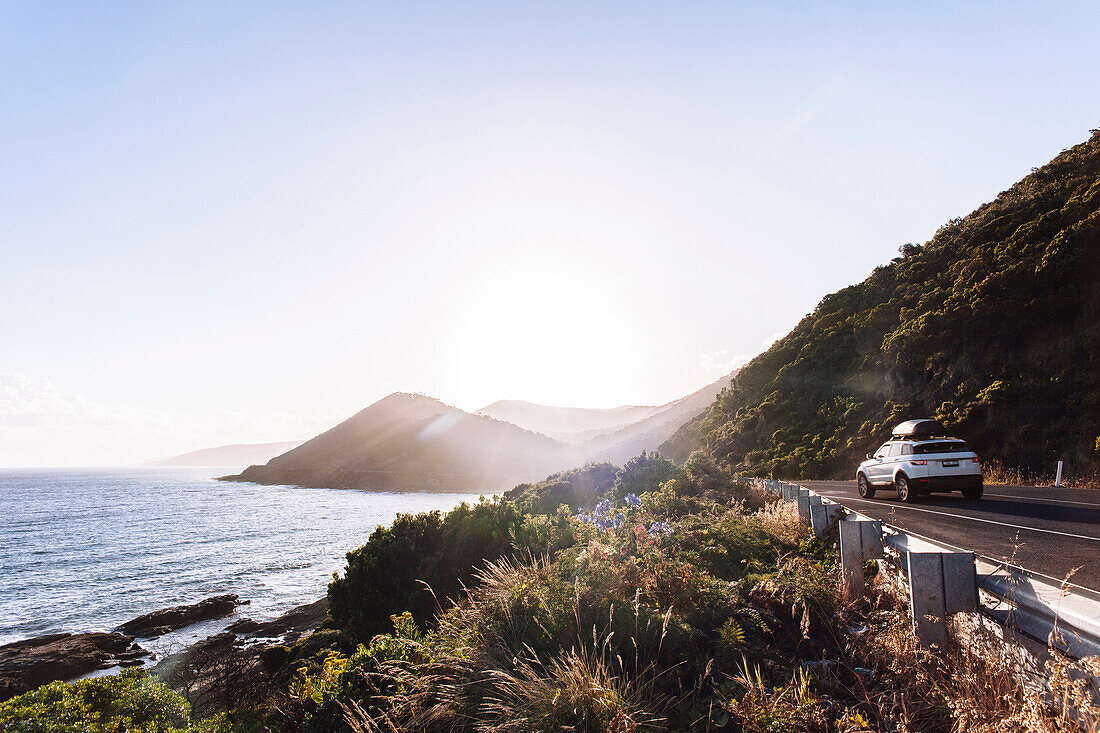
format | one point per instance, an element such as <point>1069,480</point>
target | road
<point>1046,530</point>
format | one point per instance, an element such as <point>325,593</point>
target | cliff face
<point>990,327</point>
<point>415,443</point>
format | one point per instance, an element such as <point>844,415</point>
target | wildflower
<point>633,501</point>
<point>660,528</point>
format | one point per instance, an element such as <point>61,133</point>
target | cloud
<point>40,425</point>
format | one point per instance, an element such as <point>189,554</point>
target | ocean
<point>88,549</point>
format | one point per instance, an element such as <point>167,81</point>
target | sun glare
<point>542,333</point>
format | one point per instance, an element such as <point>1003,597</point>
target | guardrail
<point>944,580</point>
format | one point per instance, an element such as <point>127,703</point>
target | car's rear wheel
<point>866,490</point>
<point>906,492</point>
<point>973,493</point>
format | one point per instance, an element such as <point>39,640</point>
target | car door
<point>876,470</point>
<point>893,458</point>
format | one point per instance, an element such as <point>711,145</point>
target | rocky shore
<point>27,664</point>
<point>158,623</point>
<point>24,665</point>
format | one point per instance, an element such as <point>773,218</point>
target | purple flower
<point>660,528</point>
<point>633,501</point>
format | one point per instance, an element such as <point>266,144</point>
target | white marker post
<point>1058,476</point>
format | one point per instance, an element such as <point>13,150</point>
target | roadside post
<point>860,541</point>
<point>823,516</point>
<point>804,505</point>
<point>940,584</point>
<point>1058,477</point>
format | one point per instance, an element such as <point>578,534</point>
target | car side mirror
<point>868,456</point>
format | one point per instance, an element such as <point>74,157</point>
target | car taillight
<point>920,463</point>
<point>975,460</point>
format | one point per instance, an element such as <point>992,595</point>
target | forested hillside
<point>990,327</point>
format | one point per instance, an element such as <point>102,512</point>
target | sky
<point>230,222</point>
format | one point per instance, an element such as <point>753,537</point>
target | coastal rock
<point>294,622</point>
<point>161,622</point>
<point>24,665</point>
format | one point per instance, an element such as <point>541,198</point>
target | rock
<point>295,621</point>
<point>27,664</point>
<point>161,622</point>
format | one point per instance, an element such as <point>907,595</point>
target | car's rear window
<point>954,446</point>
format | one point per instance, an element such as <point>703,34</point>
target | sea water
<point>88,549</point>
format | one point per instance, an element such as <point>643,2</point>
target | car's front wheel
<point>866,490</point>
<point>906,492</point>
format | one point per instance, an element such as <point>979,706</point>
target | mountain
<point>228,455</point>
<point>569,424</point>
<point>991,327</point>
<point>619,445</point>
<point>408,442</point>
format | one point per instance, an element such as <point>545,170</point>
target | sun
<point>544,334</point>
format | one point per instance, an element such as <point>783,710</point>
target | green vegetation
<point>132,702</point>
<point>991,327</point>
<point>391,572</point>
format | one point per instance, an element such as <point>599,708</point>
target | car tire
<point>973,493</point>
<point>906,492</point>
<point>865,488</point>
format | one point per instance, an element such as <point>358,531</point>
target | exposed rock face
<point>161,622</point>
<point>27,664</point>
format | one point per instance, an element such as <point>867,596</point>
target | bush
<point>130,701</point>
<point>576,488</point>
<point>394,571</point>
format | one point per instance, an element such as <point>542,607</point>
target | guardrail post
<point>823,516</point>
<point>804,505</point>
<point>940,584</point>
<point>860,540</point>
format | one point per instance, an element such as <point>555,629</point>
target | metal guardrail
<point>944,579</point>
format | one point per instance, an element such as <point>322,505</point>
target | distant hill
<point>991,327</point>
<point>569,424</point>
<point>417,443</point>
<point>228,455</point>
<point>619,445</point>
<point>408,442</point>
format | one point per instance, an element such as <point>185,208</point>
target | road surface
<point>1046,530</point>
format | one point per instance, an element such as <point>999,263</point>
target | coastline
<point>214,622</point>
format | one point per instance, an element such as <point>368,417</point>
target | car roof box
<point>915,429</point>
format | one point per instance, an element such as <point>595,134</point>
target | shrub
<point>418,562</point>
<point>130,701</point>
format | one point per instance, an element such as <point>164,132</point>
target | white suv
<point>920,459</point>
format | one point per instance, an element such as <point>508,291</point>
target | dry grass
<point>978,684</point>
<point>996,474</point>
<point>822,665</point>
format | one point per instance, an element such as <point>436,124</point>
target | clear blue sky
<point>234,222</point>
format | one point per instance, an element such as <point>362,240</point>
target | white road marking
<point>973,519</point>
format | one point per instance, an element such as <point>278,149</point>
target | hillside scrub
<point>699,604</point>
<point>991,327</point>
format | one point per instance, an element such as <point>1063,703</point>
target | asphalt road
<point>1045,530</point>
